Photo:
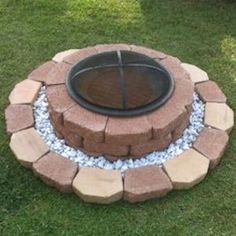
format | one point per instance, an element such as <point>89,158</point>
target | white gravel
<point>45,129</point>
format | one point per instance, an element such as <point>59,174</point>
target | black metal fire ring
<point>126,61</point>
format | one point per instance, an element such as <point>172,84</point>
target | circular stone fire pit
<point>121,93</point>
<point>122,102</point>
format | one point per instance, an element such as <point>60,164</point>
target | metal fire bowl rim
<point>141,110</point>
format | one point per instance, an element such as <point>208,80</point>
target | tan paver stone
<point>56,171</point>
<point>219,115</point>
<point>209,91</point>
<point>212,143</point>
<point>151,146</point>
<point>132,130</point>
<point>41,73</point>
<point>196,74</point>
<point>80,55</point>
<point>59,57</point>
<point>187,170</point>
<point>28,146</point>
<point>98,186</point>
<point>87,124</point>
<point>58,74</point>
<point>144,183</point>
<point>24,92</point>
<point>18,117</point>
<point>106,149</point>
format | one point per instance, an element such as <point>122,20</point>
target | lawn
<point>201,32</point>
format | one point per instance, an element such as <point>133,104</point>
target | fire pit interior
<point>119,83</point>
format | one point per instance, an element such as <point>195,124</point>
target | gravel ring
<point>45,129</point>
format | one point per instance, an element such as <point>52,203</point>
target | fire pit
<point>105,121</point>
<point>119,103</point>
<point>119,83</point>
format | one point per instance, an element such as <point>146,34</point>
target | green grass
<point>199,32</point>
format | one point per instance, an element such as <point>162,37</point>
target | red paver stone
<point>72,138</point>
<point>128,131</point>
<point>166,119</point>
<point>41,73</point>
<point>212,143</point>
<point>148,52</point>
<point>151,146</point>
<point>209,91</point>
<point>80,55</point>
<point>145,183</point>
<point>59,101</point>
<point>58,74</point>
<point>111,47</point>
<point>58,127</point>
<point>175,112</point>
<point>109,149</point>
<point>183,94</point>
<point>18,117</point>
<point>178,132</point>
<point>173,66</point>
<point>58,98</point>
<point>87,124</point>
<point>56,171</point>
<point>184,89</point>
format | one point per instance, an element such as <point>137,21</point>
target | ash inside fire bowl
<point>46,131</point>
